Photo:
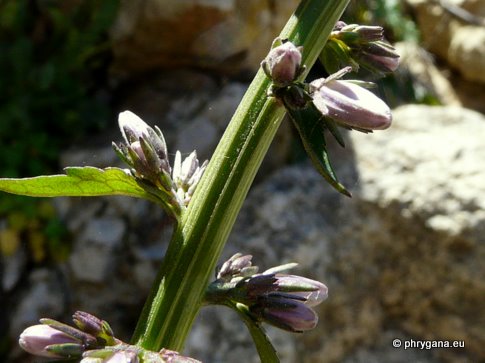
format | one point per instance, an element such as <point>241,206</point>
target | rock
<point>200,135</point>
<point>13,257</point>
<point>44,298</point>
<point>13,267</point>
<point>193,111</point>
<point>402,258</point>
<point>455,32</point>
<point>467,51</point>
<point>93,256</point>
<point>224,36</point>
<point>427,77</point>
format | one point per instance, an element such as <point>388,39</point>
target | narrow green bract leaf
<point>266,351</point>
<point>311,129</point>
<point>78,182</point>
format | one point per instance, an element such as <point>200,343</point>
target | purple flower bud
<point>92,325</point>
<point>350,105</point>
<point>144,149</point>
<point>289,314</point>
<point>360,45</point>
<point>238,265</point>
<point>132,127</point>
<point>87,322</point>
<point>314,292</point>
<point>339,25</point>
<point>380,63</point>
<point>282,64</point>
<point>368,33</point>
<point>37,338</point>
<point>379,57</point>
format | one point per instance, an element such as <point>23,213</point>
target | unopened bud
<point>378,57</point>
<point>283,64</point>
<point>350,105</point>
<point>92,325</point>
<point>238,265</point>
<point>37,339</point>
<point>314,292</point>
<point>186,176</point>
<point>359,45</point>
<point>144,148</point>
<point>287,314</point>
<point>368,33</point>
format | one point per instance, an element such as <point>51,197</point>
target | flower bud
<point>144,149</point>
<point>238,265</point>
<point>282,64</point>
<point>186,176</point>
<point>287,314</point>
<point>378,57</point>
<point>37,339</point>
<point>350,105</point>
<point>314,292</point>
<point>359,45</point>
<point>92,325</point>
<point>367,33</point>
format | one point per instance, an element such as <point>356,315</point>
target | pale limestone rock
<point>467,52</point>
<point>455,31</point>
<point>418,63</point>
<point>44,297</point>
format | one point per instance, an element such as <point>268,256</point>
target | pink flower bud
<point>35,339</point>
<point>282,64</point>
<point>350,105</point>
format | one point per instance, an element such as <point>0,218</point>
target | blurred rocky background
<point>404,258</point>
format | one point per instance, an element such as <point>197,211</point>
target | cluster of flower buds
<point>359,46</point>
<point>145,151</point>
<point>186,175</point>
<point>282,300</point>
<point>91,341</point>
<point>345,101</point>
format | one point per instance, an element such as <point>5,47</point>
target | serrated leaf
<point>79,182</point>
<point>311,129</point>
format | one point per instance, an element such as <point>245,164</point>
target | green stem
<point>203,229</point>
<point>266,351</point>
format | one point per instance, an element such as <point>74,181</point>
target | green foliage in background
<point>50,56</point>
<point>54,56</point>
<point>390,14</point>
<point>400,87</point>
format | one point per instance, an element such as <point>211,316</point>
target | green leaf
<point>311,128</point>
<point>85,181</point>
<point>266,351</point>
